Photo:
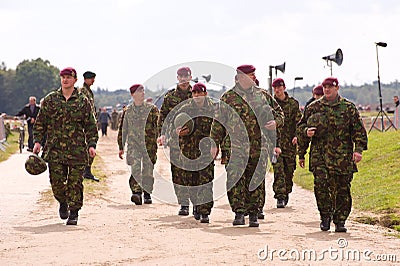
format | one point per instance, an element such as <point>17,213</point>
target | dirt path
<point>113,231</point>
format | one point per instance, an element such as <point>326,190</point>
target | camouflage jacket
<point>249,108</point>
<point>345,134</point>
<point>203,118</point>
<point>119,138</point>
<point>292,113</point>
<point>139,131</point>
<point>171,99</point>
<point>87,91</point>
<point>70,127</point>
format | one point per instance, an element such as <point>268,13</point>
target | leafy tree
<point>33,78</point>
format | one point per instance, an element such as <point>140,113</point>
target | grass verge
<point>11,148</point>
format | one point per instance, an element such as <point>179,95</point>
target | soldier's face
<point>138,95</point>
<point>183,81</point>
<point>90,81</point>
<point>199,96</point>
<point>331,92</point>
<point>246,80</point>
<point>67,81</point>
<point>279,91</point>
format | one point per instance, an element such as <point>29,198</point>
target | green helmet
<point>35,165</point>
<point>319,121</point>
<point>184,120</point>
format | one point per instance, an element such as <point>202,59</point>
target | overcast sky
<point>129,41</point>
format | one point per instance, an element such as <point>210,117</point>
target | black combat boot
<point>147,198</point>
<point>73,217</point>
<point>137,198</point>
<point>184,211</point>
<point>253,220</point>
<point>204,219</point>
<point>63,210</point>
<point>239,219</point>
<point>340,228</point>
<point>196,214</point>
<point>286,199</point>
<point>280,203</point>
<point>325,223</point>
<point>260,215</point>
<point>88,174</point>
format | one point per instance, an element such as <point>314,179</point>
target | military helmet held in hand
<point>184,120</point>
<point>319,121</point>
<point>35,165</point>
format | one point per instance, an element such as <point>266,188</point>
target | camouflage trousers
<point>247,191</point>
<point>200,188</point>
<point>332,192</point>
<point>90,162</point>
<point>283,176</point>
<point>66,183</point>
<point>141,174</point>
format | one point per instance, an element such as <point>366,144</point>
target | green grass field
<point>12,147</point>
<point>376,187</point>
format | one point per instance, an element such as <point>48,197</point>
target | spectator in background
<point>104,117</point>
<point>30,111</point>
<point>114,119</point>
<point>396,101</point>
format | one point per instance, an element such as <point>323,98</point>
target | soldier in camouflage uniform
<point>174,97</point>
<point>139,131</point>
<point>333,154</point>
<point>66,117</point>
<point>286,162</point>
<point>198,171</point>
<point>88,81</point>
<point>240,113</point>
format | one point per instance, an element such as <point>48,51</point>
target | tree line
<point>38,77</point>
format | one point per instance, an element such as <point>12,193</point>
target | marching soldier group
<point>251,126</point>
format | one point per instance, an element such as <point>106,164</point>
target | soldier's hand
<point>214,152</point>
<point>92,152</point>
<point>161,140</point>
<point>270,125</point>
<point>277,151</point>
<point>311,131</point>
<point>294,141</point>
<point>183,131</point>
<point>36,148</point>
<point>121,154</point>
<point>302,163</point>
<point>357,157</point>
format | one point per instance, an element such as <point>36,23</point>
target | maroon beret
<point>278,82</point>
<point>318,90</point>
<point>330,81</point>
<point>199,87</point>
<point>134,87</point>
<point>68,71</point>
<point>184,71</point>
<point>246,69</point>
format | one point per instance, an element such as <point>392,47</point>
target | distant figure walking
<point>104,117</point>
<point>114,119</point>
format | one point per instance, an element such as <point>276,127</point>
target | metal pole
<point>270,79</point>
<point>379,88</point>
